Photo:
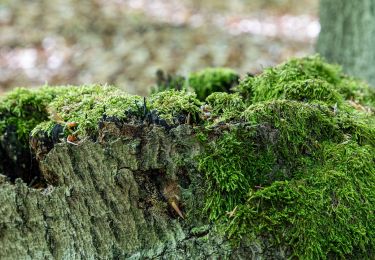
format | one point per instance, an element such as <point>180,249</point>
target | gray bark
<point>106,202</point>
<point>348,36</point>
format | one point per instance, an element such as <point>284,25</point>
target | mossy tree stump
<point>281,167</point>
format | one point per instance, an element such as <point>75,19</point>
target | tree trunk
<point>107,201</point>
<point>348,35</point>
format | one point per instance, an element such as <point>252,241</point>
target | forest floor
<point>124,42</point>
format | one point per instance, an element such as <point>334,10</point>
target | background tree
<point>348,35</point>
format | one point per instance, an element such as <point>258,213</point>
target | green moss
<point>356,90</point>
<point>174,105</point>
<point>224,105</point>
<point>23,109</point>
<point>211,80</point>
<point>203,82</point>
<point>298,165</point>
<point>276,138</point>
<point>305,91</point>
<point>45,127</point>
<point>326,212</point>
<point>86,105</point>
<point>294,173</point>
<point>306,79</point>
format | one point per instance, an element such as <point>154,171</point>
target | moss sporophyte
<point>289,154</point>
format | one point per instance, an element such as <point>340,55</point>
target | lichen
<point>212,80</point>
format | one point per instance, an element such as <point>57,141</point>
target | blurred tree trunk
<point>348,36</point>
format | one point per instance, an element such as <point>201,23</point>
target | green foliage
<point>211,80</point>
<point>299,165</point>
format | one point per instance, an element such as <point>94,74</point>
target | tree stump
<point>282,167</point>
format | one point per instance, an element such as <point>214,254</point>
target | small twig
<point>69,142</point>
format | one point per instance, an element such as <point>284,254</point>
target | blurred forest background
<point>124,42</point>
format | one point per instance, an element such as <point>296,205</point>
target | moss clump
<point>203,82</point>
<point>276,139</point>
<point>357,91</point>
<point>175,106</point>
<point>86,105</point>
<point>298,165</point>
<point>224,105</point>
<point>22,109</point>
<point>32,111</point>
<point>211,80</point>
<point>306,80</point>
<point>308,90</point>
<point>325,212</point>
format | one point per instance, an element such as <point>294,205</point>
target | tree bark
<point>107,202</point>
<point>348,34</point>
